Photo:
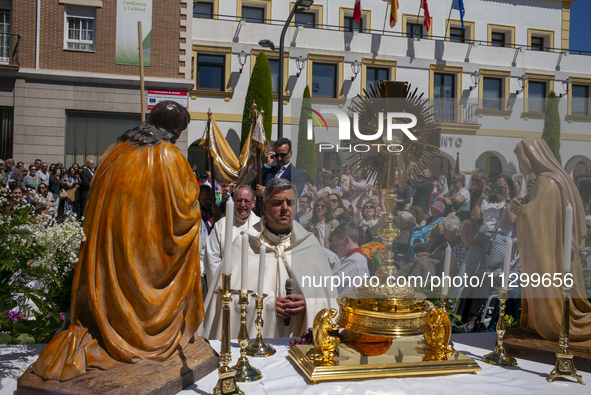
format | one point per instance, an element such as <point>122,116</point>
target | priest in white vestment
<point>291,252</point>
<point>244,218</point>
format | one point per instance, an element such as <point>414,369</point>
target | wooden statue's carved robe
<point>540,237</point>
<point>136,292</point>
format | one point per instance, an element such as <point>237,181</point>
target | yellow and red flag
<point>393,12</point>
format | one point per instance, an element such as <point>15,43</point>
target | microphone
<point>290,287</point>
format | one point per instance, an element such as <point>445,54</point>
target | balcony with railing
<point>9,49</point>
<point>454,111</point>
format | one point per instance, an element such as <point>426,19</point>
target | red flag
<point>427,21</point>
<point>357,12</point>
<point>394,12</point>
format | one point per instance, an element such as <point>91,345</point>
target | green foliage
<point>510,321</point>
<point>376,260</point>
<point>37,263</point>
<point>306,156</point>
<point>260,90</point>
<point>552,126</point>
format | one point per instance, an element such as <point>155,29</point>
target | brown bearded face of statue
<point>279,210</point>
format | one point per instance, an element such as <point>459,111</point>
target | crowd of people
<point>343,211</point>
<point>51,188</point>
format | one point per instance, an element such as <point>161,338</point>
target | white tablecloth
<point>281,378</point>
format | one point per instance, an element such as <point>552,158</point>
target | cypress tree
<point>552,126</point>
<point>260,89</point>
<point>306,155</point>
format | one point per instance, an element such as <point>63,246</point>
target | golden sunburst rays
<point>400,158</point>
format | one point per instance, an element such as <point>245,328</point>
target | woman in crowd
<point>305,213</point>
<point>322,222</point>
<point>584,186</point>
<point>368,222</point>
<point>326,179</point>
<point>71,181</point>
<point>55,184</point>
<point>335,186</point>
<point>491,207</point>
<point>357,187</point>
<point>31,181</point>
<point>440,191</point>
<point>404,222</point>
<point>517,186</point>
<point>458,199</point>
<point>430,262</point>
<point>346,179</point>
<point>338,208</point>
<point>43,192</point>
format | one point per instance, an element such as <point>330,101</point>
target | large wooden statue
<point>540,237</point>
<point>137,291</point>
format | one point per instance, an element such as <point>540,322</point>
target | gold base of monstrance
<point>387,315</point>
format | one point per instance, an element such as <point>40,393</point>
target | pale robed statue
<point>136,294</point>
<point>540,238</point>
<point>291,253</point>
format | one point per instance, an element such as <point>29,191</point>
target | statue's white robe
<point>297,255</point>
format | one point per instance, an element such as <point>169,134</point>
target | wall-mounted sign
<point>156,96</point>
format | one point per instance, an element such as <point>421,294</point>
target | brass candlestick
<point>245,372</point>
<point>259,348</point>
<point>565,366</point>
<point>227,383</point>
<point>499,356</point>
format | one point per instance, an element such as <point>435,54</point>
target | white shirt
<point>43,176</point>
<point>355,265</point>
<point>282,170</point>
<point>464,192</point>
<point>490,216</point>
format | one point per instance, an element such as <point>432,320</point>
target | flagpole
<point>210,157</point>
<point>419,12</point>
<point>451,7</point>
<point>385,17</point>
<point>142,91</point>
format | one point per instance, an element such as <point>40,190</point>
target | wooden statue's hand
<point>515,206</point>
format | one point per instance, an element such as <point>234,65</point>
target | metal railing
<point>9,49</point>
<point>451,110</point>
<point>385,32</point>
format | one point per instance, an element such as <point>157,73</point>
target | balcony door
<point>444,97</point>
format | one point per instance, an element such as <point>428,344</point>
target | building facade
<point>65,95</point>
<point>488,81</point>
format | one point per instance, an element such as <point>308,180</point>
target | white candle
<point>446,265</point>
<point>568,237</point>
<point>244,269</point>
<point>227,268</point>
<point>507,263</point>
<point>263,252</point>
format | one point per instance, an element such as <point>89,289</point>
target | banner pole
<point>142,92</point>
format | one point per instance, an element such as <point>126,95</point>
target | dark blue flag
<point>462,12</point>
